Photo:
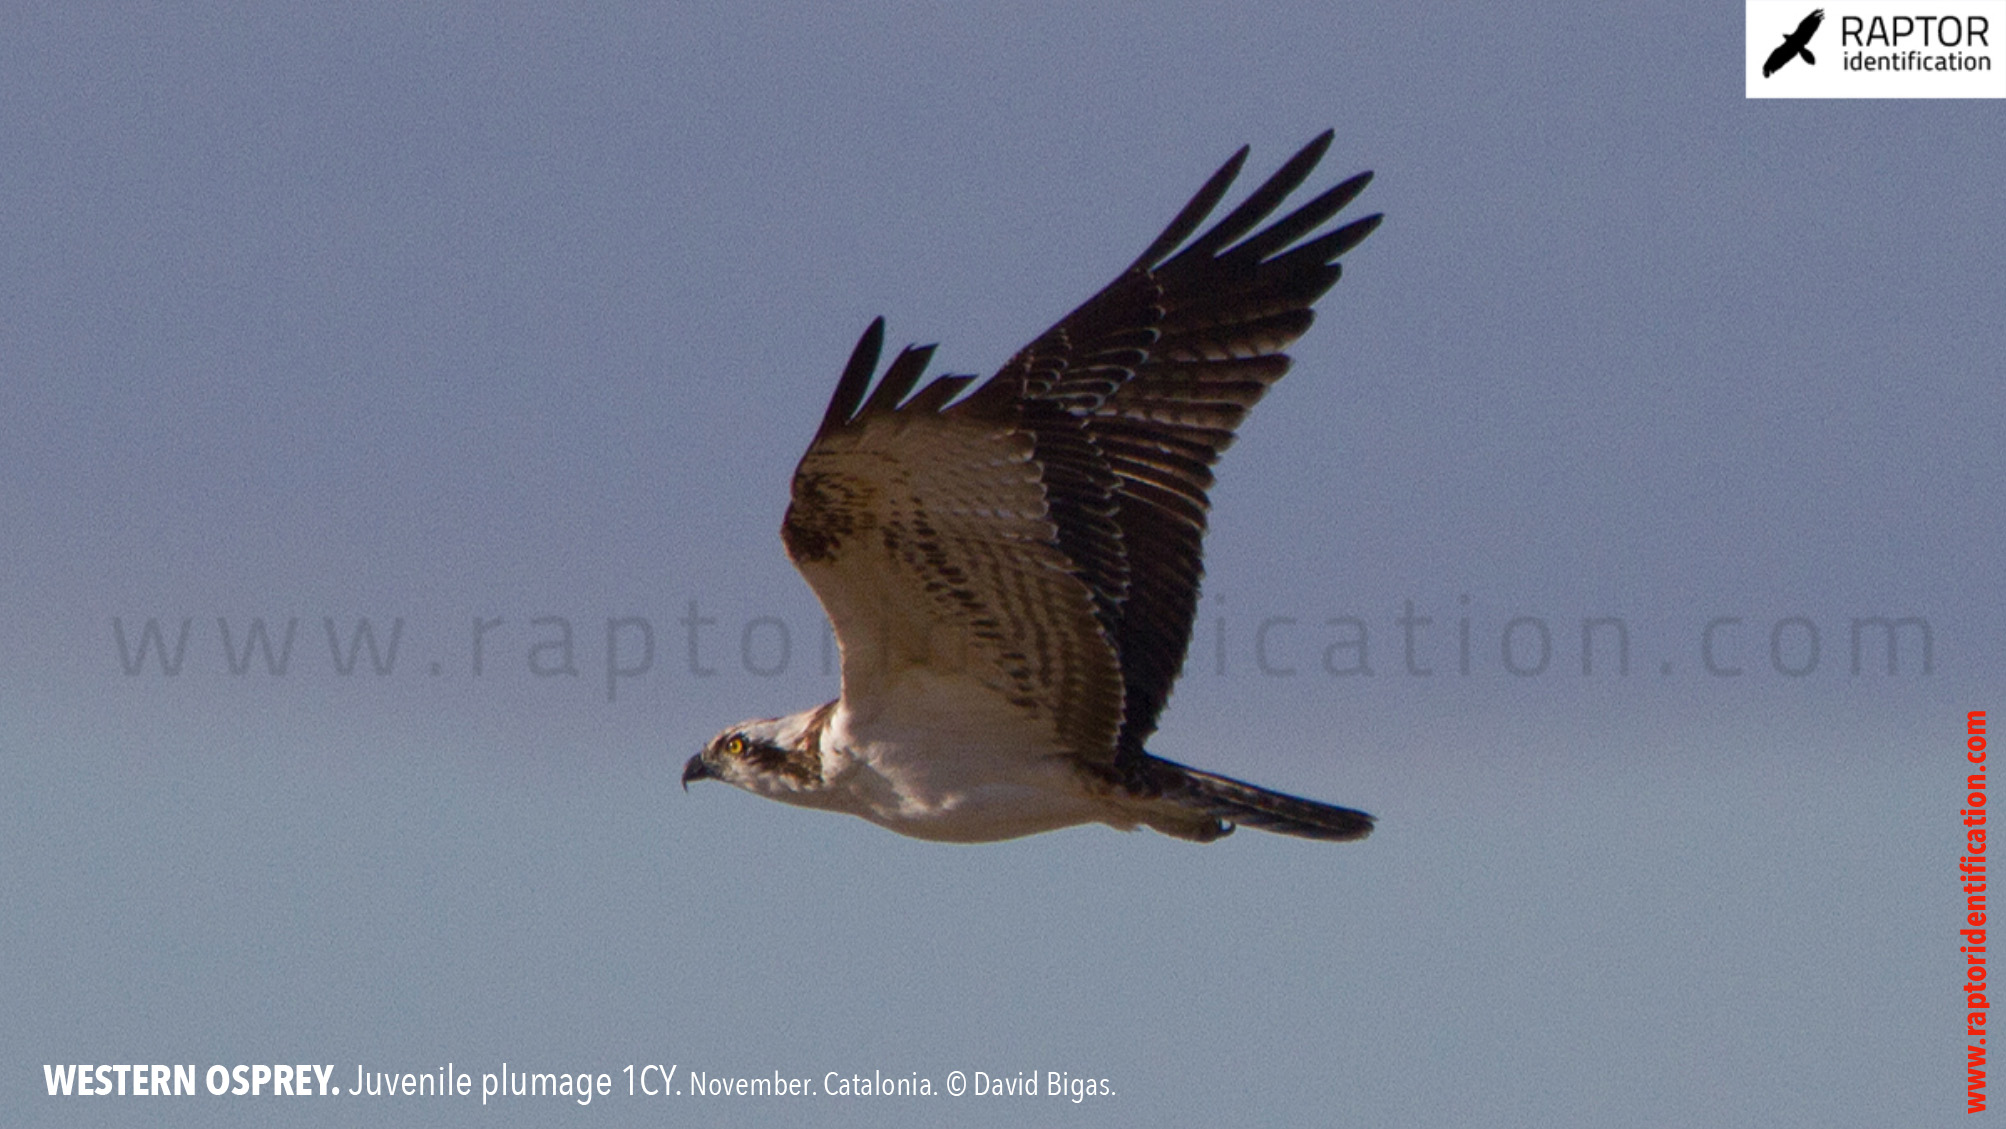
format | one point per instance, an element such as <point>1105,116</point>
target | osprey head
<point>777,757</point>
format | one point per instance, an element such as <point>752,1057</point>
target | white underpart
<point>937,762</point>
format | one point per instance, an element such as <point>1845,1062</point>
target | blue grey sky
<point>508,325</point>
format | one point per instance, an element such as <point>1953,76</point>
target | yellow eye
<point>734,746</point>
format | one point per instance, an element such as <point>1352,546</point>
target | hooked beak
<point>696,769</point>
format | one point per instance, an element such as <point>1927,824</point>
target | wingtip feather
<point>849,394</point>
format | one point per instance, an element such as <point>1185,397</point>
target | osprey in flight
<point>1796,43</point>
<point>1012,573</point>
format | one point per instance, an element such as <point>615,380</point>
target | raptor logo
<point>1796,43</point>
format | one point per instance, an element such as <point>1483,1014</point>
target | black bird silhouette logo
<point>1796,43</point>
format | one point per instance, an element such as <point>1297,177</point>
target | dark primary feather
<point>1130,399</point>
<point>1158,370</point>
<point>856,379</point>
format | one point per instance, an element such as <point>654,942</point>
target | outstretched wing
<point>928,538</point>
<point>1156,372</point>
<point>1033,548</point>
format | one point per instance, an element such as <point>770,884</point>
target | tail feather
<point>1205,806</point>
